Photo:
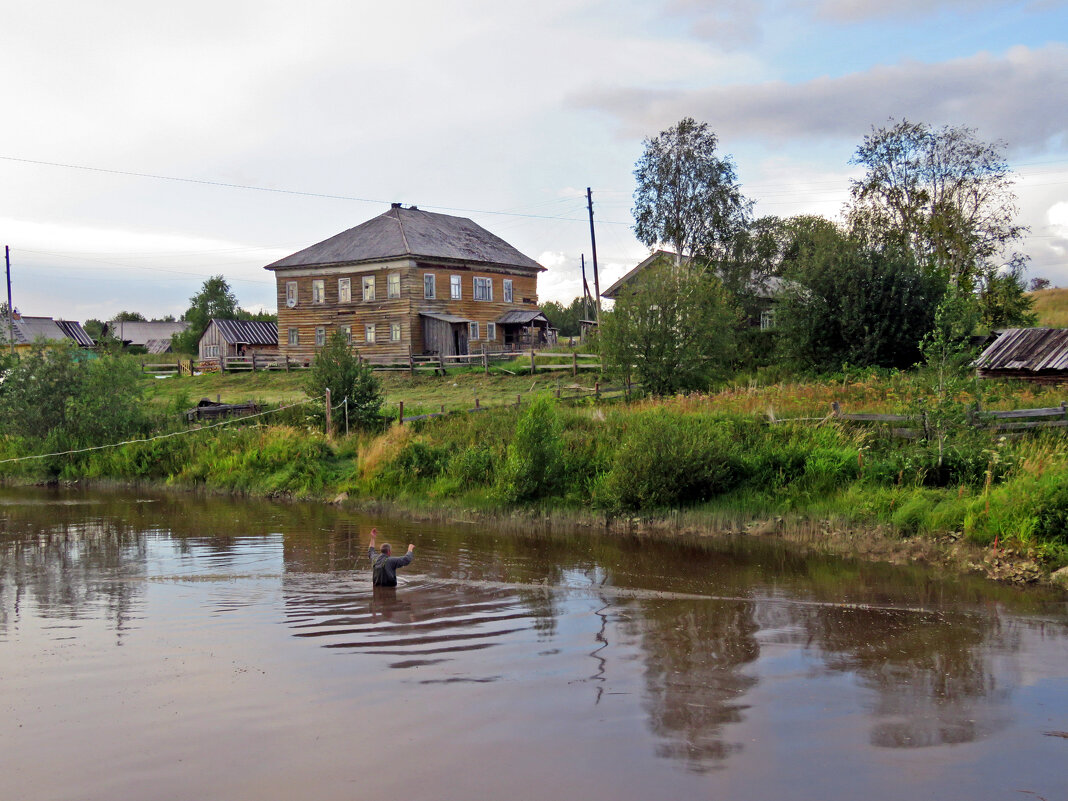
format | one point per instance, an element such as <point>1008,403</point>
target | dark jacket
<point>385,567</point>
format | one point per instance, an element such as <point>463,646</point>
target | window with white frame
<point>368,287</point>
<point>455,287</point>
<point>344,290</point>
<point>429,289</point>
<point>346,331</point>
<point>291,293</point>
<point>369,333</point>
<point>507,290</point>
<point>320,336</point>
<point>482,288</point>
<point>394,332</point>
<point>294,336</point>
<point>319,290</point>
<point>473,331</point>
<point>491,332</point>
<point>393,285</point>
<point>767,319</point>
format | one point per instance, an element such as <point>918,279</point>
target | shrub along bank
<point>624,461</point>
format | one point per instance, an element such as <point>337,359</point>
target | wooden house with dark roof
<point>224,339</point>
<point>407,281</point>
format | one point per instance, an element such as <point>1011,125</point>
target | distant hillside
<point>1051,306</point>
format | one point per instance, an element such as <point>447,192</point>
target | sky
<point>145,147</point>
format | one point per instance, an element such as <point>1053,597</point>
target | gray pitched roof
<point>36,329</point>
<point>247,332</point>
<point>410,232</point>
<point>1029,349</point>
<point>138,332</point>
<point>522,316</point>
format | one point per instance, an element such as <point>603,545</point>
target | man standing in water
<point>385,564</point>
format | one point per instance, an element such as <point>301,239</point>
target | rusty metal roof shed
<point>522,317</point>
<point>1026,350</point>
<point>410,233</point>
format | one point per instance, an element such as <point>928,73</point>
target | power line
<point>227,185</point>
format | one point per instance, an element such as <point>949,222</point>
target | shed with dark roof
<point>1032,354</point>
<point>231,338</point>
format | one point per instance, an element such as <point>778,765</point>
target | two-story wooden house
<point>408,278</point>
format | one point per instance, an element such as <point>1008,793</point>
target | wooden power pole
<point>10,308</point>
<point>593,242</point>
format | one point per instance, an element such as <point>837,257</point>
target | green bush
<point>534,458</point>
<point>666,460</point>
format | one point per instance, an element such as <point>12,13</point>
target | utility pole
<point>10,308</point>
<point>593,241</point>
<point>587,298</point>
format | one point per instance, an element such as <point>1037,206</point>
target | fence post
<point>597,390</point>
<point>287,362</point>
<point>485,361</point>
<point>411,362</point>
<point>441,363</point>
<point>476,403</point>
<point>253,361</point>
<point>532,361</point>
<point>329,417</point>
<point>1064,409</point>
<point>518,399</point>
<point>400,413</point>
<point>574,363</point>
<point>836,408</point>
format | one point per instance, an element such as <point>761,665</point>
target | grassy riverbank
<point>757,457</point>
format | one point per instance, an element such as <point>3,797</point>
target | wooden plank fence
<point>1009,420</point>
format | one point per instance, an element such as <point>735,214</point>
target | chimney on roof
<point>395,205</point>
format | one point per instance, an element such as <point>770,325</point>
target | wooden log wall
<point>330,314</point>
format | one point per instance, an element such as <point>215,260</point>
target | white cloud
<point>1005,97</point>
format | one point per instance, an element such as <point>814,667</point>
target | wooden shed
<point>1031,354</point>
<point>224,339</point>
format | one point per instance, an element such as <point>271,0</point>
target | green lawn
<point>423,392</point>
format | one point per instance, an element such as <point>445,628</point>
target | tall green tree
<point>215,299</point>
<point>671,330</point>
<point>687,195</point>
<point>1003,299</point>
<point>943,193</point>
<point>337,368</point>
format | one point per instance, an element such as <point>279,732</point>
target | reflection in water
<point>932,677</point>
<point>695,655</point>
<point>688,673</point>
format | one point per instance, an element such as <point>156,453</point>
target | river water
<point>176,647</point>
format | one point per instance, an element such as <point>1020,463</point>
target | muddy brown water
<point>172,647</point>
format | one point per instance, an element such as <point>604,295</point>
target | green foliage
<point>534,458</point>
<point>337,368</point>
<point>1003,299</point>
<point>666,460</point>
<point>671,329</point>
<point>687,195</point>
<point>215,299</point>
<point>853,303</point>
<point>58,399</point>
<point>1051,513</point>
<point>565,319</point>
<point>942,193</point>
